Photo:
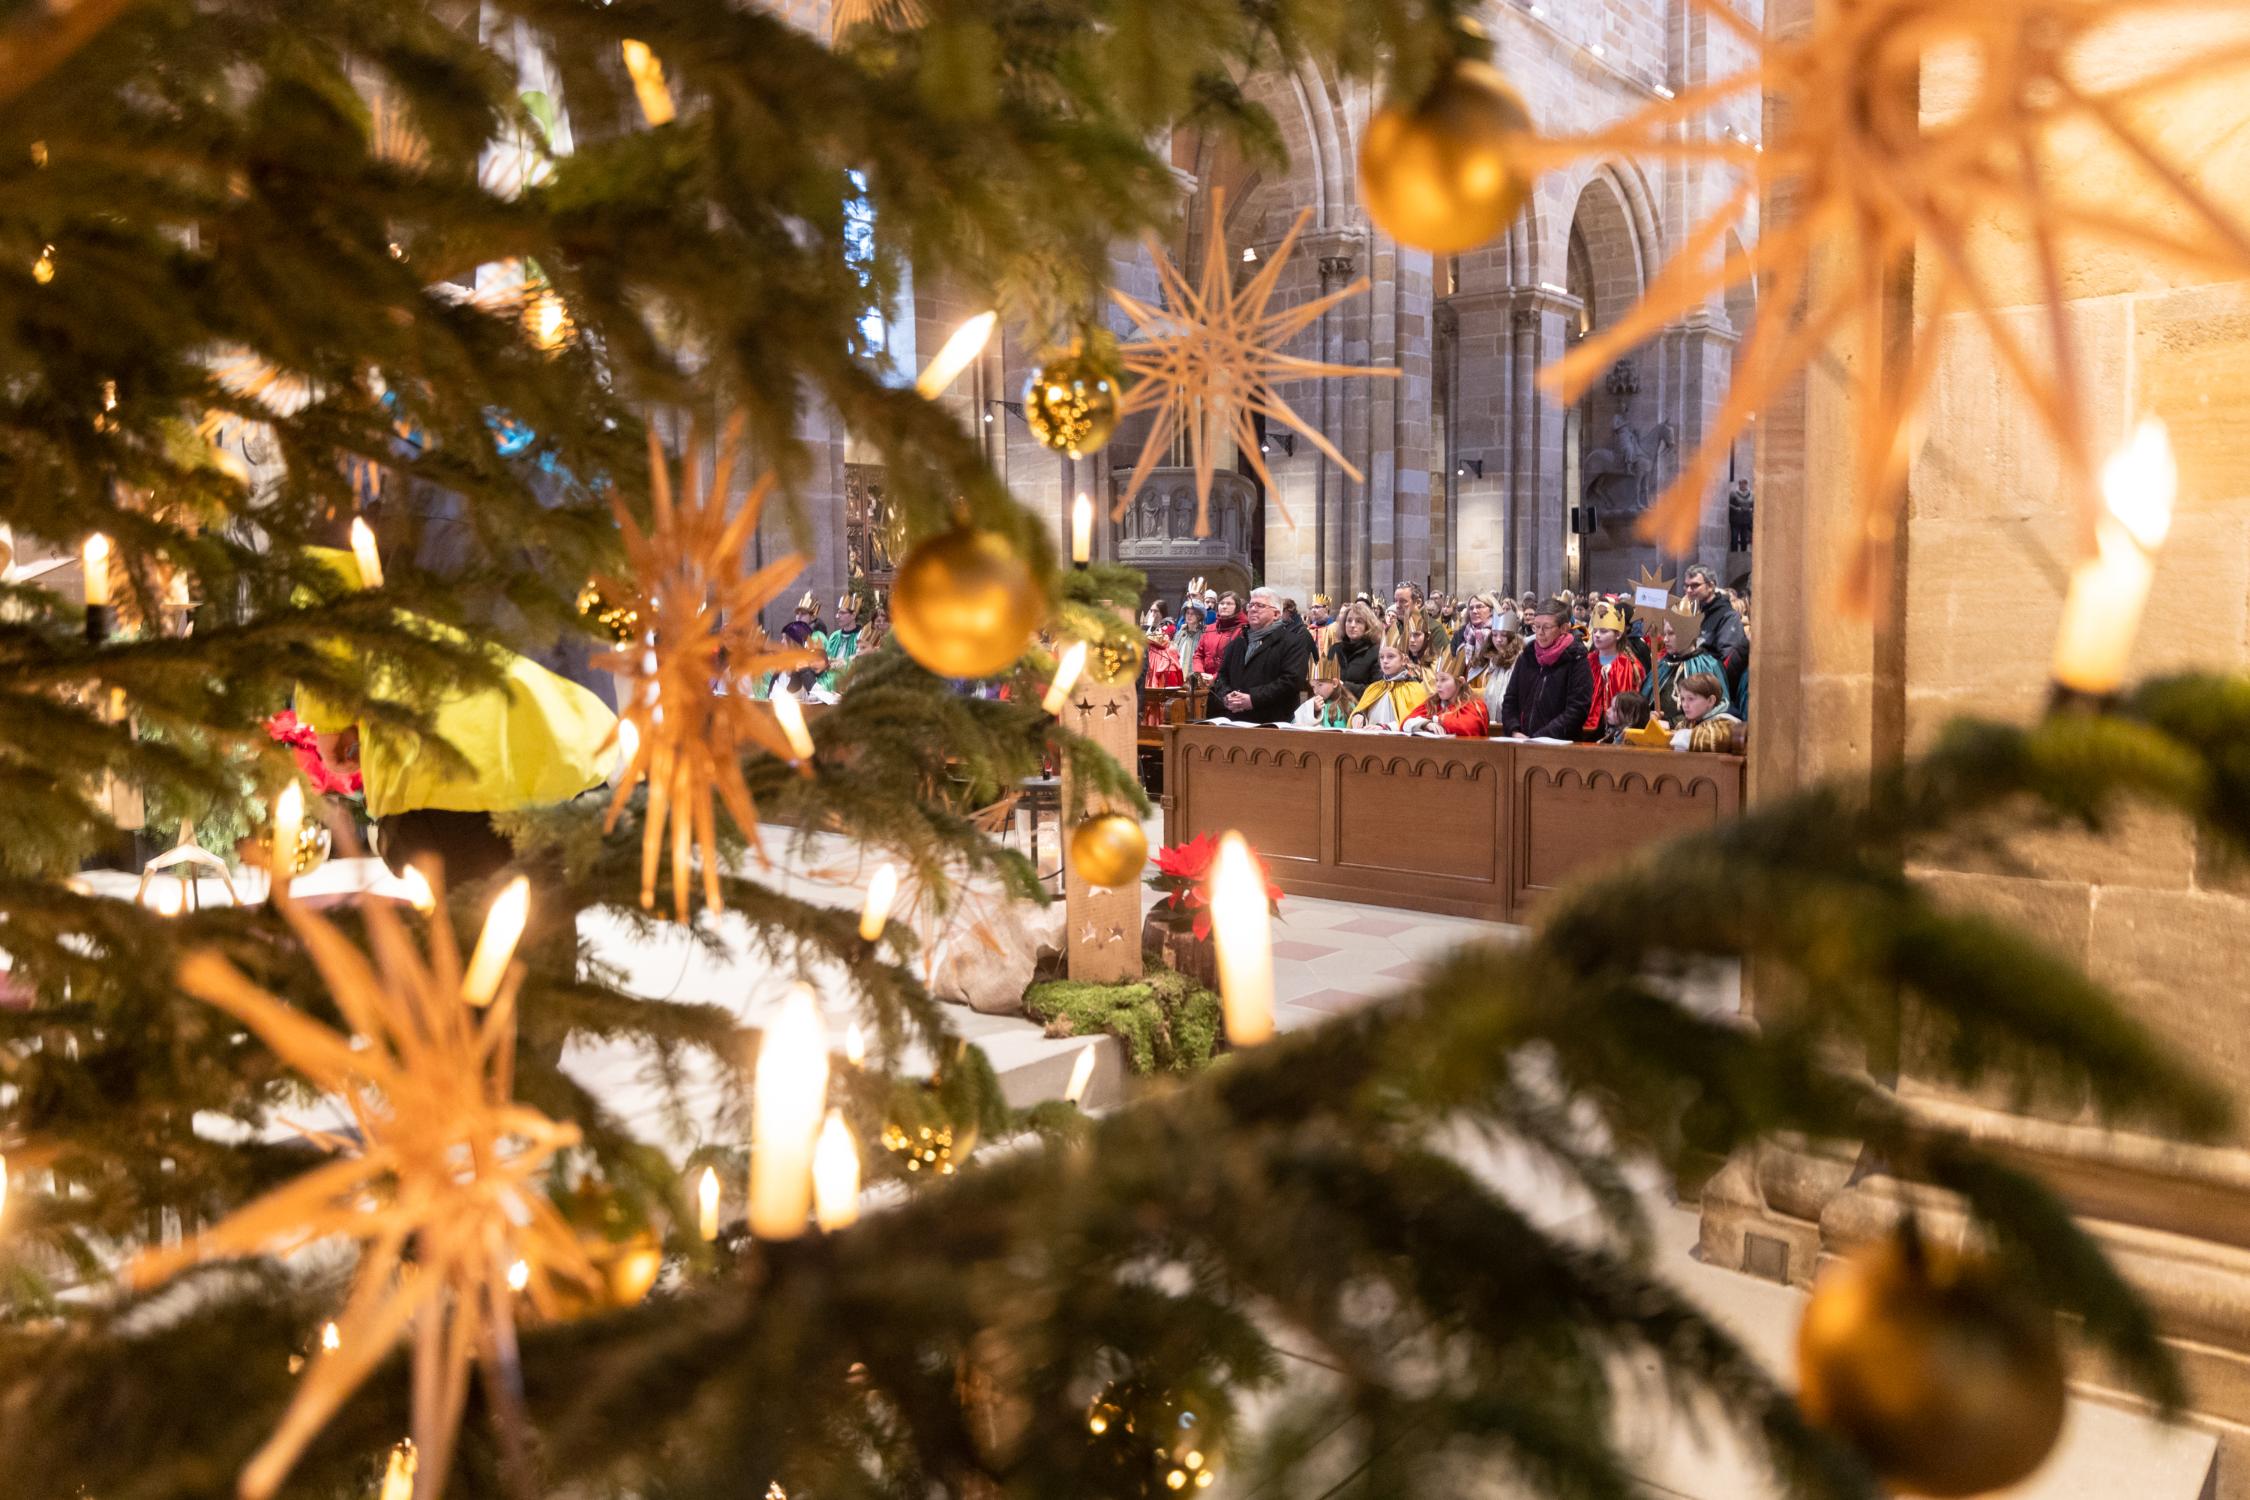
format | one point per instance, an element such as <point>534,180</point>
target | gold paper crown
<point>1324,668</point>
<point>1450,662</point>
<point>1686,621</point>
<point>1607,616</point>
<point>806,603</point>
<point>850,600</point>
<point>1320,601</point>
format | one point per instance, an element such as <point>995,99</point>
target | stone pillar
<point>1537,507</point>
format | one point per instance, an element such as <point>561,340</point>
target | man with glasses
<point>1262,675</point>
<point>1722,635</point>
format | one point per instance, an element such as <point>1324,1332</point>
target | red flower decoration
<point>1183,874</point>
<point>287,729</point>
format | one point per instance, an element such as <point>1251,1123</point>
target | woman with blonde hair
<point>1450,708</point>
<point>1387,703</point>
<point>1359,639</point>
<point>1490,666</point>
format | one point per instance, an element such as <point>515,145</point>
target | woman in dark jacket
<point>1552,688</point>
<point>1359,639</point>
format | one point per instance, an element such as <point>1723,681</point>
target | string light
<point>363,552</point>
<point>882,890</point>
<point>1066,677</point>
<point>288,823</point>
<point>959,353</point>
<point>707,1204</point>
<point>792,721</point>
<point>1081,1074</point>
<point>496,945</point>
<point>836,1175</point>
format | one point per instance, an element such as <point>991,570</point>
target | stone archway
<point>1614,450</point>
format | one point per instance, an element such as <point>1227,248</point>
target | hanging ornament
<point>312,843</point>
<point>1211,363</point>
<point>1444,173</point>
<point>1925,1363</point>
<point>1070,402</point>
<point>437,1177</point>
<point>965,604</point>
<point>1150,1444</point>
<point>696,600</point>
<point>621,1246</point>
<point>1108,850</point>
<point>620,622</point>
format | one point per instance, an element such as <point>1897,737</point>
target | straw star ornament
<point>1211,362</point>
<point>691,673</point>
<point>1906,131</point>
<point>438,1188</point>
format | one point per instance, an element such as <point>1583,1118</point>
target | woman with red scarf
<point>1552,686</point>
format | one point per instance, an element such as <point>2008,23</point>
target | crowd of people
<point>1565,668</point>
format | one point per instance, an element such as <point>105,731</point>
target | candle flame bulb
<point>792,720</point>
<point>398,1478</point>
<point>882,890</point>
<point>331,1337</point>
<point>790,1092</point>
<point>1066,677</point>
<point>707,1204</point>
<point>2102,613</point>
<point>836,1175</point>
<point>519,1275</point>
<point>628,750</point>
<point>415,887</point>
<point>649,87</point>
<point>1081,1074</point>
<point>363,552</point>
<point>855,1045</point>
<point>1082,529</point>
<point>960,351</point>
<point>288,822</point>
<point>95,559</point>
<point>496,945</point>
<point>1242,925</point>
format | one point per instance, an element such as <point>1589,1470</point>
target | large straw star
<point>1871,186</point>
<point>1209,363</point>
<point>438,1188</point>
<point>700,656</point>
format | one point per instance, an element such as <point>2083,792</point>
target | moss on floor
<point>1167,1022</point>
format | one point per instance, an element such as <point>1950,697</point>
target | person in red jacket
<point>1211,648</point>
<point>1450,708</point>
<point>1616,669</point>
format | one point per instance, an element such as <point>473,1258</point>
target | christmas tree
<point>340,238</point>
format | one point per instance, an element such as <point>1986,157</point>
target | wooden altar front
<point>1470,828</point>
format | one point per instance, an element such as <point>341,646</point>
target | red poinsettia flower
<point>287,729</point>
<point>1183,874</point>
<point>1188,861</point>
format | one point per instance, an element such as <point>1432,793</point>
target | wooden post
<point>1104,925</point>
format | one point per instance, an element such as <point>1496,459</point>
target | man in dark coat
<point>1263,675</point>
<point>1723,635</point>
<point>1551,690</point>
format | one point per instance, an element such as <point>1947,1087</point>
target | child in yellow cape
<point>1394,695</point>
<point>532,740</point>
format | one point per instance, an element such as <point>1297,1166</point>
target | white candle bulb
<point>707,1204</point>
<point>398,1478</point>
<point>1066,677</point>
<point>628,750</point>
<point>331,1337</point>
<point>414,887</point>
<point>959,353</point>
<point>791,1092</point>
<point>792,720</point>
<point>1082,528</point>
<point>836,1174</point>
<point>855,1045</point>
<point>95,560</point>
<point>2102,614</point>
<point>649,87</point>
<point>1081,1074</point>
<point>882,890</point>
<point>496,945</point>
<point>519,1275</point>
<point>288,823</point>
<point>363,552</point>
<point>1242,924</point>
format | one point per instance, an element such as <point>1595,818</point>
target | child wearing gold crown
<point>1616,669</point>
<point>1450,708</point>
<point>1328,707</point>
<point>1391,697</point>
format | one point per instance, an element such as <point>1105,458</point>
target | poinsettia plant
<point>287,729</point>
<point>1183,877</point>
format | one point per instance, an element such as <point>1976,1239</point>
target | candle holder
<point>2065,701</point>
<point>101,623</point>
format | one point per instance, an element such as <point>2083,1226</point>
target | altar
<point>1465,827</point>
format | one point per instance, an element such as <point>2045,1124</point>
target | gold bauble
<point>965,605</point>
<point>1070,402</point>
<point>313,847</point>
<point>1441,174</point>
<point>1108,850</point>
<point>1150,1444</point>
<point>1922,1361</point>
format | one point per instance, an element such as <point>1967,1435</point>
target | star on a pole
<point>1211,362</point>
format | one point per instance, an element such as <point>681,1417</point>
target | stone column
<point>1536,505</point>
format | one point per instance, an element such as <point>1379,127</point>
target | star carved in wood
<point>1210,364</point>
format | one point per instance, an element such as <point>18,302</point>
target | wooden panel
<point>1271,793</point>
<point>1587,806</point>
<point>1428,811</point>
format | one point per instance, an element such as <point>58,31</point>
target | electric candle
<point>959,353</point>
<point>95,557</point>
<point>496,945</point>
<point>707,1204</point>
<point>628,750</point>
<point>1082,529</point>
<point>649,87</point>
<point>791,1092</point>
<point>288,823</point>
<point>882,890</point>
<point>414,889</point>
<point>1066,677</point>
<point>1242,924</point>
<point>835,1175</point>
<point>855,1045</point>
<point>363,552</point>
<point>792,720</point>
<point>398,1478</point>
<point>1081,1074</point>
<point>2102,613</point>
